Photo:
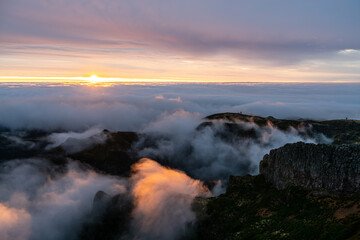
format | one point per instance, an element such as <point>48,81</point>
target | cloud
<point>73,142</point>
<point>17,140</point>
<point>237,41</point>
<point>163,198</point>
<point>41,201</point>
<point>216,151</point>
<point>133,107</point>
<point>15,223</point>
<point>246,28</point>
<point>185,152</point>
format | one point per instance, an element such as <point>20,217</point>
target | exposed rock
<point>110,217</point>
<point>333,168</point>
<point>112,157</point>
<point>341,131</point>
<point>100,202</point>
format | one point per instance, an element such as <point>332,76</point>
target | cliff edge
<point>333,168</point>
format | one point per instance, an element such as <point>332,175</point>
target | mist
<point>73,142</point>
<point>163,200</point>
<point>180,155</point>
<point>41,201</point>
<point>214,151</point>
<point>132,107</point>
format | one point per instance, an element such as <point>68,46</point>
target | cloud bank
<point>213,151</point>
<point>133,107</point>
<point>245,28</point>
<point>73,142</point>
<point>163,200</point>
<point>39,201</point>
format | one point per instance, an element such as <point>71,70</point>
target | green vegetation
<point>251,208</point>
<point>254,209</point>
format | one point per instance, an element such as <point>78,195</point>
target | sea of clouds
<point>40,200</point>
<point>132,107</point>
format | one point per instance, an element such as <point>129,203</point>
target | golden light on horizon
<point>95,78</point>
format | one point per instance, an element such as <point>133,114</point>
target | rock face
<point>341,131</point>
<point>110,217</point>
<point>333,168</point>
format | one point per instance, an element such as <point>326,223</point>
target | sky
<point>159,68</point>
<point>194,41</point>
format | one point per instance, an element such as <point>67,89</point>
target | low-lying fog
<point>132,107</point>
<point>40,200</point>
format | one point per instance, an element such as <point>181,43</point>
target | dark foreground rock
<point>110,217</point>
<point>340,131</point>
<point>333,168</point>
<point>252,208</point>
<point>112,157</point>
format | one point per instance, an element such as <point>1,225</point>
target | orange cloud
<point>163,198</point>
<point>14,223</point>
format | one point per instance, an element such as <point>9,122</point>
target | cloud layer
<point>133,107</point>
<point>73,142</point>
<point>163,200</point>
<point>39,201</point>
<point>212,40</point>
<point>215,151</point>
<point>208,27</point>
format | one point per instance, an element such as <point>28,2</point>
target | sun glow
<point>95,78</point>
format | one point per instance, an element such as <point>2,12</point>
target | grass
<point>254,209</point>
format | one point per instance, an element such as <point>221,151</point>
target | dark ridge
<point>109,219</point>
<point>252,208</point>
<point>327,168</point>
<point>112,157</point>
<point>341,131</point>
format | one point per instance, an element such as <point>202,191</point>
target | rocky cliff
<point>299,194</point>
<point>340,131</point>
<point>333,168</point>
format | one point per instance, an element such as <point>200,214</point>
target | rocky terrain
<point>341,131</point>
<point>253,208</point>
<point>115,156</point>
<point>303,191</point>
<point>333,168</point>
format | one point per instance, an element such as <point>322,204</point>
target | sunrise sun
<point>95,78</point>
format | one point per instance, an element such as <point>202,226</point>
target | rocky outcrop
<point>115,156</point>
<point>109,219</point>
<point>341,131</point>
<point>333,168</point>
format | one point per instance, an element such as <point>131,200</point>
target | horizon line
<point>94,79</point>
